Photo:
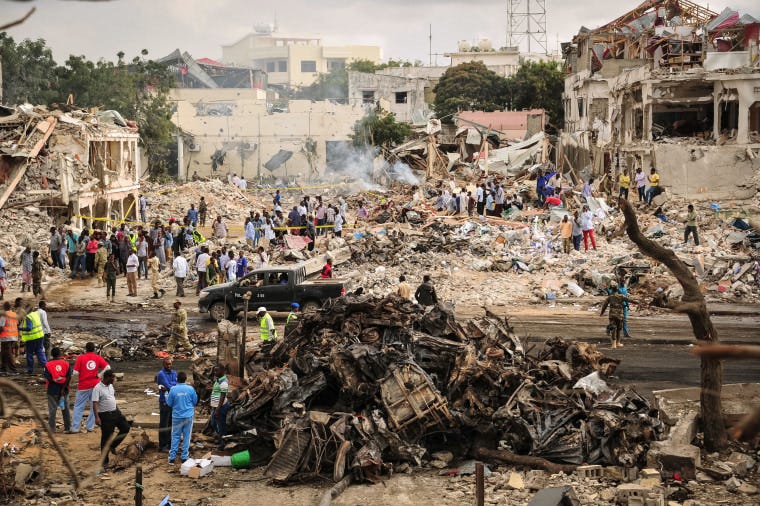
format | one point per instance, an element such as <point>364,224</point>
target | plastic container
<point>241,460</point>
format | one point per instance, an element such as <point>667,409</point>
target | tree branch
<point>18,21</point>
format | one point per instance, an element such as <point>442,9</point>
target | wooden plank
<point>47,128</point>
<point>13,182</point>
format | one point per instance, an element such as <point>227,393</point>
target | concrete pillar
<point>717,88</point>
<point>181,171</point>
<point>746,100</point>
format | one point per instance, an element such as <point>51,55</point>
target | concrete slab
<point>738,400</point>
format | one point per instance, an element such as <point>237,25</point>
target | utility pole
<point>258,150</point>
<point>241,348</point>
<point>430,47</point>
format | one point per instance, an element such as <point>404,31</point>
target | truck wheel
<point>219,311</point>
<point>311,306</point>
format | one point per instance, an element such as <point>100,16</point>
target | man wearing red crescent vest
<point>8,340</point>
<point>58,377</point>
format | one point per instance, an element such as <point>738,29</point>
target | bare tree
<point>693,305</point>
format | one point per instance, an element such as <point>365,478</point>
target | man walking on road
<point>166,379</point>
<point>88,366</point>
<point>179,329</point>
<point>182,400</point>
<point>615,302</point>
<point>107,415</point>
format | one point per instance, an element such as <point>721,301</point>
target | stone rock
<point>515,481</point>
<point>746,488</point>
<point>438,464</point>
<point>608,494</point>
<point>732,484</point>
<point>740,463</point>
<point>443,456</point>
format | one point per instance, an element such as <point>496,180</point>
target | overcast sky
<point>201,27</point>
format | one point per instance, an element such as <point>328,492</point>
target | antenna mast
<point>526,22</point>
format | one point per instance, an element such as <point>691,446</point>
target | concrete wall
<point>702,172</point>
<point>507,58</point>
<point>385,89</point>
<point>250,125</point>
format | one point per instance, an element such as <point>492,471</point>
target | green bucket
<point>241,460</point>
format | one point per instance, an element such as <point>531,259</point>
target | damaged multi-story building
<point>670,85</point>
<point>75,164</point>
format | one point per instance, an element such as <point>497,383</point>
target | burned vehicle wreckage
<point>365,382</point>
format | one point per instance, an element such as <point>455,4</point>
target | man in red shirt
<point>89,367</point>
<point>327,270</point>
<point>58,376</point>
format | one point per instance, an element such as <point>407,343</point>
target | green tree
<point>28,71</point>
<point>330,86</point>
<point>380,128</point>
<point>538,85</point>
<point>469,87</point>
<point>369,67</point>
<point>138,89</point>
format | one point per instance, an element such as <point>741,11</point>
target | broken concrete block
<point>740,463</point>
<point>590,472</point>
<point>515,481</point>
<point>555,496</point>
<point>444,456</point>
<point>649,478</point>
<point>628,491</point>
<point>685,429</point>
<point>23,473</point>
<point>660,199</point>
<point>614,473</point>
<point>746,488</point>
<point>675,458</point>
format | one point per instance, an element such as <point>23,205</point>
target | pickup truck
<point>274,288</point>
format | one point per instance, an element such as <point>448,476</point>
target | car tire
<point>311,306</point>
<point>219,311</point>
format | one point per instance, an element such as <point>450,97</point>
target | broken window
<point>598,108</point>
<point>401,97</point>
<point>729,112</point>
<point>270,66</point>
<point>685,110</point>
<point>308,66</point>
<point>282,66</point>
<point>336,64</point>
<point>581,110</point>
<point>368,97</point>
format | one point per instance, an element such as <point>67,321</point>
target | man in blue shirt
<point>166,379</point>
<point>182,399</point>
<point>192,215</point>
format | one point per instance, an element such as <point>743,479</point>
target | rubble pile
<point>366,381</point>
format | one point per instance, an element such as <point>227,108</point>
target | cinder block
<point>591,472</point>
<point>655,499</point>
<point>615,473</point>
<point>673,458</point>
<point>649,477</point>
<point>628,491</point>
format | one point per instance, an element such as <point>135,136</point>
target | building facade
<point>236,131</point>
<point>293,61</point>
<point>669,85</point>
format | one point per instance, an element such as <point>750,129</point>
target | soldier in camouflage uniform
<point>616,303</point>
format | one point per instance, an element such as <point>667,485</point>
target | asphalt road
<point>657,357</point>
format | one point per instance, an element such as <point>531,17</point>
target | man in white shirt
<point>42,311</point>
<point>338,226</point>
<point>107,415</point>
<point>242,183</point>
<point>132,263</point>
<point>200,267</point>
<point>180,273</point>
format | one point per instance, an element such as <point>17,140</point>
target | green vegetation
<point>137,89</point>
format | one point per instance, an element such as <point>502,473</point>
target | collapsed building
<point>75,164</point>
<point>670,85</point>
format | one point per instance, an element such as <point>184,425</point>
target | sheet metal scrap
<point>365,381</point>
